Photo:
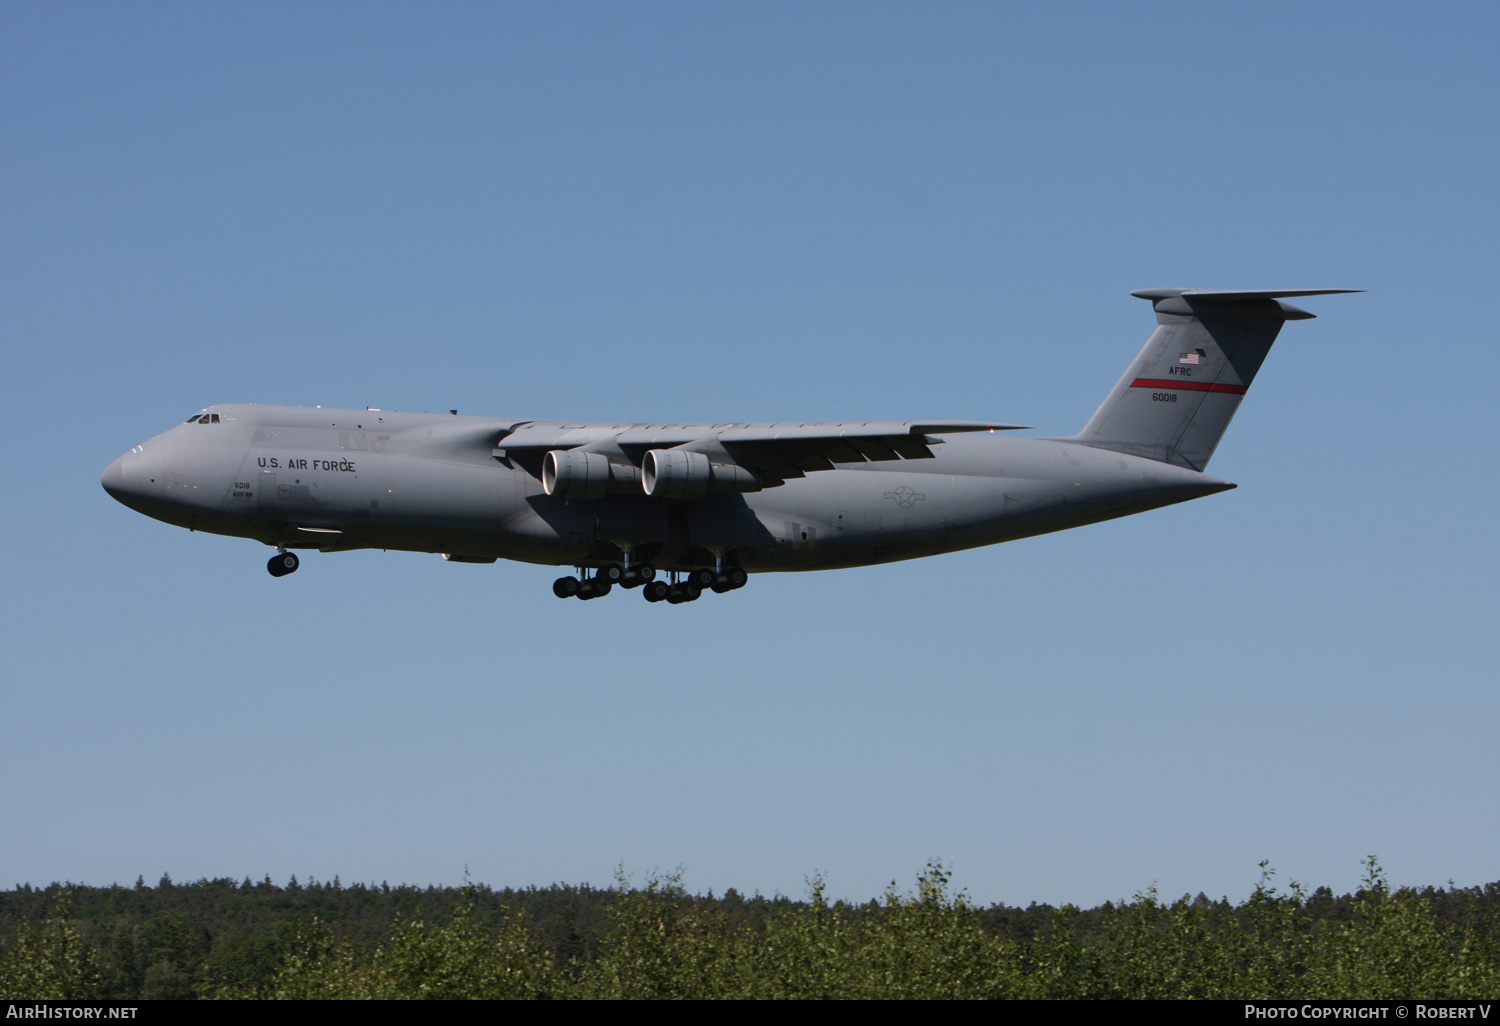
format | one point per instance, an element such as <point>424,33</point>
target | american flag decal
<point>1188,358</point>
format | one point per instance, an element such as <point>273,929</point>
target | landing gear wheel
<point>610,573</point>
<point>637,576</point>
<point>687,591</point>
<point>656,591</point>
<point>703,577</point>
<point>732,578</point>
<point>592,588</point>
<point>565,587</point>
<point>283,563</point>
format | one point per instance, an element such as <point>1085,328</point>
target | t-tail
<point>1179,395</point>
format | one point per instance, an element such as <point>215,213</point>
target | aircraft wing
<point>778,450</point>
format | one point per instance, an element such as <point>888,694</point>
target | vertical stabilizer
<point>1179,395</point>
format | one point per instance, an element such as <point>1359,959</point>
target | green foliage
<point>1393,946</point>
<point>1396,947</point>
<point>925,945</point>
<point>458,960</point>
<point>50,963</point>
<point>663,945</point>
<point>465,960</point>
<point>218,938</point>
<point>806,950</point>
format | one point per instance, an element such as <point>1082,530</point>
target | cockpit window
<point>194,417</point>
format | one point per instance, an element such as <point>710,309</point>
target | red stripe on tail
<point>1188,386</point>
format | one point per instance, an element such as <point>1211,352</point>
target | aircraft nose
<point>131,480</point>
<point>113,479</point>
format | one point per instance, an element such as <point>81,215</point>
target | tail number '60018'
<point>1164,397</point>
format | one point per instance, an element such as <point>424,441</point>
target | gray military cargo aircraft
<point>707,504</point>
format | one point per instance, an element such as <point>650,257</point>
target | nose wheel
<point>283,563</point>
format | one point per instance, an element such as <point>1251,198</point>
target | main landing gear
<point>687,589</point>
<point>283,563</point>
<point>603,580</point>
<point>695,582</point>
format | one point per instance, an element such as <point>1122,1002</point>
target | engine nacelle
<point>570,474</point>
<point>677,474</point>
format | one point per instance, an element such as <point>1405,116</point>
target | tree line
<point>222,939</point>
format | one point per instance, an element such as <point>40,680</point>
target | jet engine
<point>571,474</point>
<point>677,474</point>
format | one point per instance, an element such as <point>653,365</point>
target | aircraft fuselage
<point>712,501</point>
<point>300,478</point>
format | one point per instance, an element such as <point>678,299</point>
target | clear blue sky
<point>756,211</point>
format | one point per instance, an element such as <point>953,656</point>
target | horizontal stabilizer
<point>1237,293</point>
<point>1254,302</point>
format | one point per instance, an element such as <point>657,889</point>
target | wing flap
<point>875,450</point>
<point>845,452</point>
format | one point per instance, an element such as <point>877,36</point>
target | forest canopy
<point>256,939</point>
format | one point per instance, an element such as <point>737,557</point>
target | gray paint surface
<point>766,497</point>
